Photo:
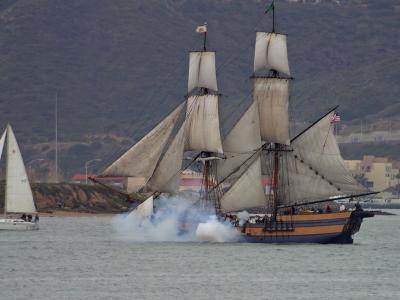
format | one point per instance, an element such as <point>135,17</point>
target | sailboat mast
<point>207,164</point>
<point>205,41</point>
<point>5,184</point>
<point>271,93</point>
<point>203,117</point>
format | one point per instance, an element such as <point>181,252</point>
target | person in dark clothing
<point>36,218</point>
<point>328,209</point>
<point>23,217</point>
<point>30,218</point>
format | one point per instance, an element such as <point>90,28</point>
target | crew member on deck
<point>328,209</point>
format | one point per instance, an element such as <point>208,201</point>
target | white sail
<point>203,124</point>
<point>272,96</point>
<point>2,142</point>
<point>271,52</point>
<point>18,196</point>
<point>166,177</point>
<point>242,142</point>
<point>247,192</point>
<point>202,70</point>
<point>316,168</point>
<point>305,184</point>
<point>142,158</point>
<point>144,210</point>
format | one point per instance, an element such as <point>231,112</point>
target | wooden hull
<point>18,225</point>
<point>324,228</point>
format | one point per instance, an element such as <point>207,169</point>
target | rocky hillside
<point>117,67</point>
<point>74,197</point>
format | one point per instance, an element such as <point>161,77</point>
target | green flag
<point>270,7</point>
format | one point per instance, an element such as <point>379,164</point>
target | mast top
<point>203,29</point>
<point>269,8</point>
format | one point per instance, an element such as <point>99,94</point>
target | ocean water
<point>81,258</point>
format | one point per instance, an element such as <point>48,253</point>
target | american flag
<point>335,118</point>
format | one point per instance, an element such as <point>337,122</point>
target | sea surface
<point>81,258</point>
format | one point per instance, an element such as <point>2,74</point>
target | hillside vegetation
<point>118,67</point>
<point>73,197</point>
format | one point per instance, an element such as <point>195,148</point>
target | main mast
<point>271,92</point>
<point>203,117</point>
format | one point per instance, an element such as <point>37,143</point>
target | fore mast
<point>203,118</point>
<point>271,91</point>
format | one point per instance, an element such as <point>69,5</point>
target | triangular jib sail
<point>247,192</point>
<point>142,158</point>
<point>166,177</point>
<point>18,195</point>
<point>316,169</point>
<point>241,143</point>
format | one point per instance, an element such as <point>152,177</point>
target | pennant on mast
<point>201,28</point>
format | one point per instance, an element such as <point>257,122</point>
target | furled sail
<point>247,192</point>
<point>142,158</point>
<point>271,52</point>
<point>203,124</point>
<point>316,169</point>
<point>272,96</point>
<point>166,177</point>
<point>18,196</point>
<point>202,70</point>
<point>241,143</point>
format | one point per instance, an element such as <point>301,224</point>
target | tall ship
<point>305,170</point>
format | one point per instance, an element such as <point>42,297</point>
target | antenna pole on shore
<point>56,146</point>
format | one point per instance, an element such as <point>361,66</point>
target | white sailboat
<point>19,209</point>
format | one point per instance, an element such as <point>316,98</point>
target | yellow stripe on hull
<point>260,231</point>
<point>314,216</point>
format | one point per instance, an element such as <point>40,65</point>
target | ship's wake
<point>175,220</point>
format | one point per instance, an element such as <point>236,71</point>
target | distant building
<point>191,181</point>
<point>379,173</point>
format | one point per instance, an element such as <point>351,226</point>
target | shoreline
<point>67,213</point>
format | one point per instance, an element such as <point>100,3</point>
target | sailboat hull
<point>322,228</point>
<point>18,225</point>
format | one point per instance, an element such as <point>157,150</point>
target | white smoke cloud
<point>243,217</point>
<point>215,231</point>
<point>175,220</point>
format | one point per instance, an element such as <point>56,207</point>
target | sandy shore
<point>66,213</point>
